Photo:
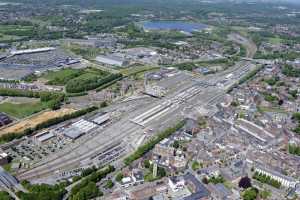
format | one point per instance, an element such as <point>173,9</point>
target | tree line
<point>53,99</point>
<point>142,150</point>
<point>296,117</point>
<point>80,84</point>
<point>16,135</point>
<point>294,149</point>
<point>266,179</point>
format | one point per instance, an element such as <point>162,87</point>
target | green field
<point>62,77</point>
<point>79,80</point>
<point>275,40</point>
<point>23,109</point>
<point>86,52</point>
<point>273,109</point>
<point>4,38</point>
<point>16,30</point>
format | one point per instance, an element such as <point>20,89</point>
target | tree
<point>161,172</point>
<point>196,165</point>
<point>142,150</point>
<point>87,188</point>
<point>250,194</point>
<point>202,122</point>
<point>43,192</point>
<point>88,192</point>
<point>109,184</point>
<point>76,178</point>
<point>216,179</point>
<point>119,177</point>
<point>245,182</point>
<point>147,164</point>
<point>103,104</point>
<point>265,194</point>
<point>205,180</point>
<point>5,196</point>
<point>176,144</point>
<point>266,179</point>
<point>234,104</point>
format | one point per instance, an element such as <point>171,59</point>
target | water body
<point>174,25</point>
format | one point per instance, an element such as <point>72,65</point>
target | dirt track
<point>35,120</point>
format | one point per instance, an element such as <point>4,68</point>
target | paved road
<point>250,46</point>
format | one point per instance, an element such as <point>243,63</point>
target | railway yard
<point>149,100</point>
<point>132,126</point>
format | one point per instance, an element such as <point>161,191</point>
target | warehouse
<point>29,51</point>
<point>4,119</point>
<point>113,60</point>
<point>43,137</point>
<point>102,118</point>
<point>78,129</point>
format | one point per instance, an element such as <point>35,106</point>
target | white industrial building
<point>78,128</point>
<point>28,51</point>
<point>113,60</point>
<point>43,136</point>
<point>102,119</point>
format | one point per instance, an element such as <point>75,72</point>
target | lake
<point>174,25</point>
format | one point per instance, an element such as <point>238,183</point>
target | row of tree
<point>52,99</point>
<point>266,179</point>
<point>294,149</point>
<point>291,71</point>
<point>296,117</point>
<point>142,150</point>
<point>278,55</point>
<point>80,84</point>
<point>16,135</point>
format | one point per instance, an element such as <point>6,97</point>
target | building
<point>29,51</point>
<point>43,137</point>
<point>199,192</point>
<point>4,119</point>
<point>285,181</point>
<point>102,118</point>
<point>78,129</point>
<point>136,177</point>
<point>176,183</point>
<point>163,149</point>
<point>219,191</point>
<point>4,158</point>
<point>127,182</point>
<point>210,171</point>
<point>202,70</point>
<point>178,162</point>
<point>147,191</point>
<point>155,90</point>
<point>112,60</point>
<point>191,127</point>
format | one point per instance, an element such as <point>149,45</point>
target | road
<point>250,46</point>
